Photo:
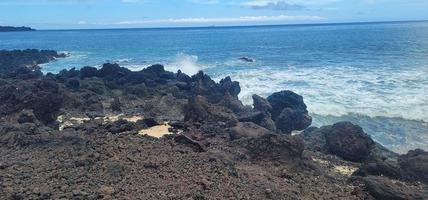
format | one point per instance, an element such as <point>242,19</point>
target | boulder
<point>201,111</point>
<point>247,130</point>
<point>384,188</point>
<point>289,111</point>
<point>414,166</point>
<point>349,142</point>
<point>261,104</point>
<point>379,168</point>
<point>315,138</point>
<point>291,119</point>
<point>87,72</point>
<point>202,84</point>
<point>260,118</point>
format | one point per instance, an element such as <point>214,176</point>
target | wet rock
<point>289,111</point>
<point>349,142</point>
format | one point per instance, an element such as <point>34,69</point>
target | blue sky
<point>62,14</point>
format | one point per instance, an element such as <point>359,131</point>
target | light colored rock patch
<point>345,170</point>
<point>114,118</point>
<point>156,131</point>
<point>133,119</point>
<point>324,162</point>
<point>63,123</point>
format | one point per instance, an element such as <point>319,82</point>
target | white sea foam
<point>343,90</point>
<point>186,63</point>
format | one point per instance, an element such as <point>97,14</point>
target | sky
<point>75,14</point>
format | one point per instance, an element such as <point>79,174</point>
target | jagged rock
<point>349,141</point>
<point>289,111</point>
<point>112,71</point>
<point>203,85</point>
<point>232,103</point>
<point>247,130</point>
<point>291,119</point>
<point>414,165</point>
<point>259,118</point>
<point>261,104</point>
<point>201,111</point>
<point>229,86</point>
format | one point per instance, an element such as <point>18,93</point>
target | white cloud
<point>243,19</point>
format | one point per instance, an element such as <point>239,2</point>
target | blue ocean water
<point>373,74</point>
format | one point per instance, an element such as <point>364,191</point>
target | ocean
<point>372,74</point>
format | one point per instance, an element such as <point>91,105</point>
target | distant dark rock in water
<point>101,125</point>
<point>15,29</point>
<point>247,59</point>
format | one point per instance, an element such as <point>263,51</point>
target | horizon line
<point>240,26</point>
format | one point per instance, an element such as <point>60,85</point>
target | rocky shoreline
<point>89,134</point>
<point>15,29</point>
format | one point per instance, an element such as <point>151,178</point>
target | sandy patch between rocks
<point>156,131</point>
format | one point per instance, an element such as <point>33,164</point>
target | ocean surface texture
<point>372,74</point>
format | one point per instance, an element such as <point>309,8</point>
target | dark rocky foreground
<point>75,135</point>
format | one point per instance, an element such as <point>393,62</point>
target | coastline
<point>99,153</point>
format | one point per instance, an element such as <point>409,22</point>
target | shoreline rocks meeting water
<point>112,133</point>
<point>15,29</point>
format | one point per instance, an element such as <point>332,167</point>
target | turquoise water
<point>373,74</point>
